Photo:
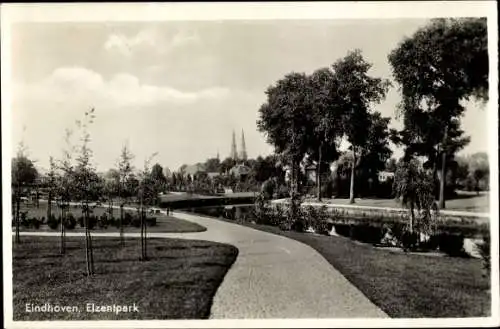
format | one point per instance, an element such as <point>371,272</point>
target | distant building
<point>310,171</point>
<point>240,171</point>
<point>212,175</point>
<point>194,169</point>
<point>384,176</point>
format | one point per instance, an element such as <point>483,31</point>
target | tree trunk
<point>145,237</point>
<point>49,206</point>
<point>442,183</point>
<point>18,209</point>
<point>412,217</point>
<point>87,246</point>
<point>353,171</point>
<point>92,270</point>
<point>62,250</point>
<point>141,214</point>
<point>318,174</point>
<point>122,240</point>
<point>110,207</point>
<point>37,197</point>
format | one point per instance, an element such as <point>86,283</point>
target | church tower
<point>243,155</point>
<point>234,151</point>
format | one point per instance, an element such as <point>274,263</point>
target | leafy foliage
<point>414,187</point>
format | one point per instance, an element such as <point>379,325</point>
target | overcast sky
<point>180,88</point>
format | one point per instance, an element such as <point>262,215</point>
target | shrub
<point>103,221</point>
<point>42,220</point>
<point>321,225</point>
<point>151,221</point>
<point>70,222</point>
<point>52,222</point>
<point>92,222</point>
<point>113,221</point>
<point>409,241</point>
<point>24,219</point>
<point>452,244</point>
<point>485,252</point>
<point>35,223</point>
<point>81,221</point>
<point>136,221</point>
<point>127,219</point>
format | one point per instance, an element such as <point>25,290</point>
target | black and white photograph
<point>250,164</point>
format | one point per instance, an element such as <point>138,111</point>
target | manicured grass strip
<point>404,285</point>
<point>178,282</point>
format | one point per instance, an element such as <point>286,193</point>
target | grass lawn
<point>403,285</point>
<point>463,202</point>
<point>178,282</point>
<point>165,224</point>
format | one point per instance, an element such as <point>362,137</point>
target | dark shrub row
<point>71,222</point>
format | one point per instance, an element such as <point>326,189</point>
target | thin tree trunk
<point>37,197</point>
<point>353,171</point>
<point>62,250</point>
<point>110,207</point>
<point>87,254</point>
<point>142,227</point>
<point>145,238</point>
<point>412,217</point>
<point>49,206</point>
<point>142,237</point>
<point>92,270</point>
<point>318,174</point>
<point>122,240</point>
<point>442,183</point>
<point>18,209</point>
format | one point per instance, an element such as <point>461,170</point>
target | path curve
<point>272,277</point>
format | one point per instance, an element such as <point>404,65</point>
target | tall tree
<point>327,110</point>
<point>23,175</point>
<point>441,65</point>
<point>159,179</point>
<point>376,151</point>
<point>358,92</point>
<point>287,122</point>
<point>212,165</point>
<point>125,189</point>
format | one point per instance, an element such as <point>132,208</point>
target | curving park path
<point>273,276</point>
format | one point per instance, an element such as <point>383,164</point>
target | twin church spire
<point>234,150</point>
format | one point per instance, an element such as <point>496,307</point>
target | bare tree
<point>86,184</point>
<point>147,194</point>
<point>124,175</point>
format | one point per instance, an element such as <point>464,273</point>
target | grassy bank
<point>178,282</point>
<point>462,202</point>
<point>401,284</point>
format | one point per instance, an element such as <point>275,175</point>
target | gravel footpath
<point>273,276</point>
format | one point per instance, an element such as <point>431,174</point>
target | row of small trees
<point>73,179</point>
